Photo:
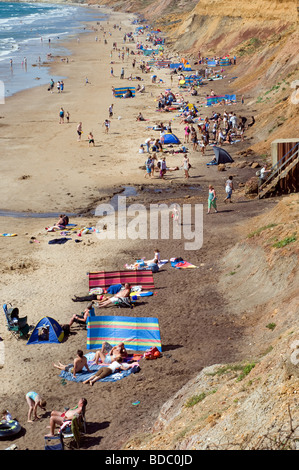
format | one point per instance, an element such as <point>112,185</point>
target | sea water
<point>32,33</point>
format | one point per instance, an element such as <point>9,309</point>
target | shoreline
<point>61,45</point>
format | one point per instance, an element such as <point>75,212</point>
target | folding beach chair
<point>73,429</point>
<point>18,327</point>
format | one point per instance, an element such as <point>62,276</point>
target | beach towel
<point>137,333</point>
<point>105,279</point>
<point>179,263</point>
<point>84,375</point>
<point>212,100</point>
<point>8,234</point>
<point>138,265</point>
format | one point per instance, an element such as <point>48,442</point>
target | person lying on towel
<point>105,371</point>
<point>107,353</point>
<point>123,294</point>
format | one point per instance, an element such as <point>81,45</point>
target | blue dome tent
<point>169,138</point>
<point>47,330</point>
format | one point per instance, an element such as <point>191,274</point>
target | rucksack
<point>152,353</point>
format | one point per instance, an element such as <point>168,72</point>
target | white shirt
<point>114,365</point>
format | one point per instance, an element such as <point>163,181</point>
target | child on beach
<point>34,401</point>
<point>106,124</point>
<point>90,139</point>
<point>79,131</point>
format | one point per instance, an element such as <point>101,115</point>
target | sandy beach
<point>45,169</point>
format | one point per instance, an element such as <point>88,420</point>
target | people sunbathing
<point>107,353</point>
<point>57,418</point>
<point>123,294</point>
<point>107,370</point>
<point>79,363</point>
<point>82,318</point>
<point>60,224</point>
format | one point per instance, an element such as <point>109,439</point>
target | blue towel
<point>114,289</point>
<point>84,375</point>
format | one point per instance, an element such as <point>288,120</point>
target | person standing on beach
<point>229,187</point>
<point>106,124</point>
<point>187,133</point>
<point>110,110</point>
<point>67,115</point>
<point>51,85</point>
<point>122,73</point>
<point>79,131</point>
<point>163,167</point>
<point>186,165</point>
<point>212,199</point>
<point>90,139</point>
<point>149,165</point>
<point>61,116</point>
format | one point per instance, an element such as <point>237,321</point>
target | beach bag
<point>152,353</point>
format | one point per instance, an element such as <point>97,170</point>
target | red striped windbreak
<point>105,279</point>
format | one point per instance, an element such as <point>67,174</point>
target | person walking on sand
<point>229,187</point>
<point>67,115</point>
<point>79,131</point>
<point>149,165</point>
<point>61,116</point>
<point>90,139</point>
<point>163,167</point>
<point>186,166</point>
<point>34,401</point>
<point>212,199</point>
<point>106,124</point>
<point>187,133</point>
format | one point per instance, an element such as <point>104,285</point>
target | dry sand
<point>46,170</point>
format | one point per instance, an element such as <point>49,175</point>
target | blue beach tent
<point>47,330</point>
<point>169,138</point>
